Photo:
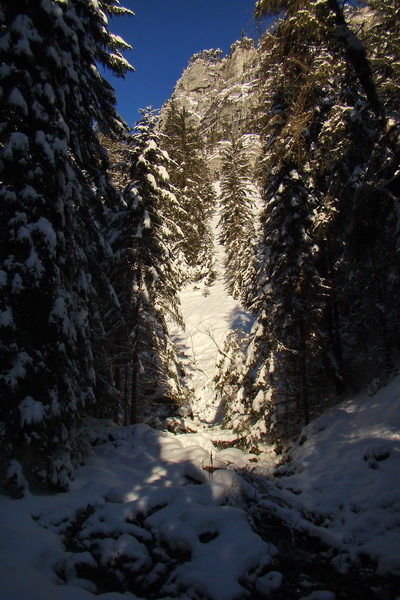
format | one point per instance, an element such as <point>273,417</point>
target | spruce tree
<point>195,192</point>
<point>324,126</point>
<point>237,219</point>
<point>147,254</point>
<point>290,359</point>
<point>381,24</point>
<point>54,194</point>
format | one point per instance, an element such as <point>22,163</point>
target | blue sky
<point>164,35</point>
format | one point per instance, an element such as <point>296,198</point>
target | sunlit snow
<point>209,313</point>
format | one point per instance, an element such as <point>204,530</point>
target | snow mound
<point>158,515</point>
<point>347,470</point>
<point>142,509</point>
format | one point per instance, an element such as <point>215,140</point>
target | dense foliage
<point>191,177</point>
<point>237,218</point>
<point>100,228</point>
<point>329,247</point>
<point>55,197</point>
<point>146,241</point>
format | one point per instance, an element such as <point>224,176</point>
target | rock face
<point>222,96</point>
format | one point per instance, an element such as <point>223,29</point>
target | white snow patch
<point>32,411</point>
<point>46,229</point>
<point>16,99</point>
<point>17,143</point>
<point>6,318</point>
<point>146,220</point>
<point>346,470</point>
<point>147,473</point>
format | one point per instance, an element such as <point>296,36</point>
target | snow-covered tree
<point>380,24</point>
<point>118,151</point>
<point>54,195</point>
<point>195,192</point>
<point>329,214</point>
<point>212,55</point>
<point>159,234</point>
<point>237,219</point>
<point>290,345</point>
<point>147,248</point>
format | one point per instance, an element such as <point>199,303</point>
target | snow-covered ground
<point>148,516</point>
<point>144,501</point>
<point>208,313</point>
<point>347,471</point>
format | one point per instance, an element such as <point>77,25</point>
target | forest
<point>103,230</point>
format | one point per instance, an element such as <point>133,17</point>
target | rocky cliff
<point>222,95</point>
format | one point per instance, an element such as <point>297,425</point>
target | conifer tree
<point>325,303</point>
<point>324,126</point>
<point>148,255</point>
<point>237,219</point>
<point>54,194</point>
<point>292,349</point>
<point>118,152</point>
<point>381,39</point>
<point>195,192</point>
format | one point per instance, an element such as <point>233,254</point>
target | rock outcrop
<point>222,96</point>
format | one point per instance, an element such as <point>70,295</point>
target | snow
<point>162,172</point>
<point>17,284</point>
<point>59,314</point>
<point>28,193</point>
<point>144,473</point>
<point>18,142</point>
<point>47,150</point>
<point>6,318</point>
<point>32,411</point>
<point>209,314</point>
<point>47,232</point>
<point>16,99</point>
<point>268,583</point>
<point>151,489</point>
<point>18,370</point>
<point>33,262</point>
<point>216,565</point>
<point>146,220</point>
<point>347,470</point>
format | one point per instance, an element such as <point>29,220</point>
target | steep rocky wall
<point>222,96</point>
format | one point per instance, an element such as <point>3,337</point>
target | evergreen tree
<point>118,152</point>
<point>195,192</point>
<point>54,195</point>
<point>381,38</point>
<point>324,232</point>
<point>367,190</point>
<point>213,55</point>
<point>291,359</point>
<point>147,250</point>
<point>237,219</point>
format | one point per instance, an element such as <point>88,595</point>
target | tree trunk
<point>305,404</point>
<point>358,59</point>
<point>336,371</point>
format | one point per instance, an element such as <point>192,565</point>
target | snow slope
<point>208,313</point>
<point>143,507</point>
<point>347,471</point>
